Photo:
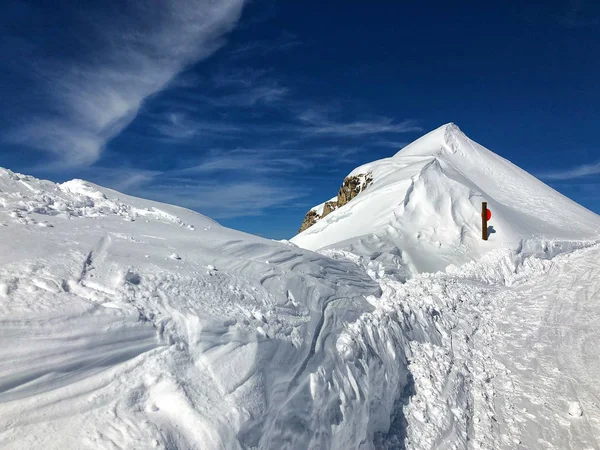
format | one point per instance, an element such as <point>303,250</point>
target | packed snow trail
<point>546,358</point>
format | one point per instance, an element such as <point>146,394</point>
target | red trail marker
<point>486,215</point>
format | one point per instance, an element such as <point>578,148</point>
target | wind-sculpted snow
<point>129,324</point>
<point>105,332</point>
<point>239,342</point>
<point>450,332</point>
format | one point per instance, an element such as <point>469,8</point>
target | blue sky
<point>252,112</point>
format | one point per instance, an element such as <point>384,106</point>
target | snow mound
<point>422,211</point>
<point>121,322</point>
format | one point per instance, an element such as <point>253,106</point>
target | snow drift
<point>422,210</point>
<point>126,323</point>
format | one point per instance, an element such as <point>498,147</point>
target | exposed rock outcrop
<point>351,187</point>
<point>329,207</point>
<point>309,220</point>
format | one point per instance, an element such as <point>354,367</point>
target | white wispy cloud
<point>121,54</point>
<point>122,179</point>
<point>181,127</point>
<point>204,105</point>
<point>248,162</point>
<point>581,171</point>
<point>224,184</point>
<point>266,94</point>
<point>316,122</point>
<point>233,88</point>
<point>331,154</point>
<point>222,200</point>
<point>390,144</point>
<point>238,77</point>
<point>236,94</point>
<point>284,42</point>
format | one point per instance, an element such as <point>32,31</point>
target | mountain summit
<point>420,209</point>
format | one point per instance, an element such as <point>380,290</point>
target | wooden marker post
<point>484,221</point>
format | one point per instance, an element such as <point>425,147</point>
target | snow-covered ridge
<point>24,195</point>
<point>422,211</point>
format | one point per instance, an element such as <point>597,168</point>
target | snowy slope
<point>500,347</point>
<point>538,358</point>
<point>422,211</point>
<point>125,323</point>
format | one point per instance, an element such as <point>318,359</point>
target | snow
<point>575,409</point>
<point>541,356</point>
<point>126,323</point>
<point>422,211</point>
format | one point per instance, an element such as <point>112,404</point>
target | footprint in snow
<point>575,409</point>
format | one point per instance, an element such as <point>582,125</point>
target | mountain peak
<point>425,202</point>
<point>447,137</point>
<point>451,127</point>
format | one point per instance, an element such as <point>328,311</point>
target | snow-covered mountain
<point>130,324</point>
<point>421,209</point>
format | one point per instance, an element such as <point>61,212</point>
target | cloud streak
<point>243,196</point>
<point>248,162</point>
<point>224,184</point>
<point>180,127</point>
<point>114,62</point>
<point>581,171</point>
<point>223,201</point>
<point>319,124</point>
<point>284,42</point>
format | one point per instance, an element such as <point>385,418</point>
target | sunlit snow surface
<point>129,324</point>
